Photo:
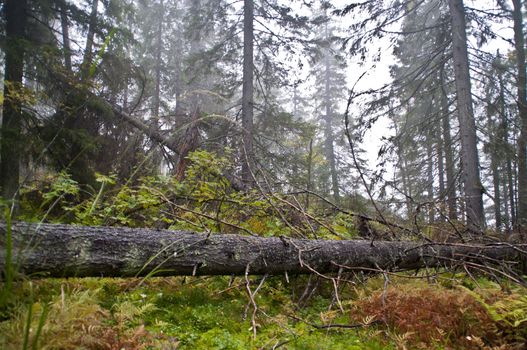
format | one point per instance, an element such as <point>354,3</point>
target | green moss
<point>210,313</point>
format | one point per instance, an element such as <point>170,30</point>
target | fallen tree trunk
<point>75,251</point>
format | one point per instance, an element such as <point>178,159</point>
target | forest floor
<point>300,312</point>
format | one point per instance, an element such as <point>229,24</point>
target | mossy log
<point>74,251</point>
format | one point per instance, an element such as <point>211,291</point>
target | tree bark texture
<point>90,37</point>
<point>467,125</point>
<point>65,36</point>
<point>75,251</point>
<point>15,15</point>
<point>494,166</point>
<point>508,181</point>
<point>449,153</point>
<point>519,45</point>
<point>248,91</point>
<point>430,176</point>
<point>328,127</point>
<point>159,49</point>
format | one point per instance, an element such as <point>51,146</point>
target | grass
<point>212,313</point>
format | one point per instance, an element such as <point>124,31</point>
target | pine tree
<point>16,18</point>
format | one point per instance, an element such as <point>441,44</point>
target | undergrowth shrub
<point>429,315</point>
<point>75,320</point>
<point>508,310</point>
<point>204,200</point>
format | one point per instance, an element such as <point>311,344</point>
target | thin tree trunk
<point>90,37</point>
<point>187,144</point>
<point>508,182</point>
<point>511,190</point>
<point>309,172</point>
<point>440,160</point>
<point>76,251</point>
<point>248,92</point>
<point>65,35</point>
<point>407,191</point>
<point>441,175</point>
<point>196,45</point>
<point>430,179</point>
<point>506,214</point>
<point>469,152</point>
<point>16,17</point>
<point>519,45</point>
<point>449,153</point>
<point>159,49</point>
<point>494,169</point>
<point>328,130</point>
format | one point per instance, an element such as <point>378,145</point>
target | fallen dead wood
<point>68,251</point>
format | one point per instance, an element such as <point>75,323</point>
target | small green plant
<point>87,213</point>
<point>6,290</point>
<point>50,199</point>
<point>508,311</point>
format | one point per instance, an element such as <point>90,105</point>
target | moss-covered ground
<point>216,313</point>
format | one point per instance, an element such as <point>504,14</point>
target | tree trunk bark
<point>494,165</point>
<point>519,45</point>
<point>76,251</point>
<point>196,46</point>
<point>508,183</point>
<point>430,178</point>
<point>328,130</point>
<point>15,15</point>
<point>309,173</point>
<point>65,36</point>
<point>440,165</point>
<point>159,49</point>
<point>247,92</point>
<point>467,125</point>
<point>449,154</point>
<point>90,37</point>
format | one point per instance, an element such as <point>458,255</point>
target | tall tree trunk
<point>407,191</point>
<point>65,35</point>
<point>248,91</point>
<point>509,189</point>
<point>196,45</point>
<point>469,152</point>
<point>328,130</point>
<point>441,173</point>
<point>448,149</point>
<point>90,37</point>
<point>430,179</point>
<point>493,150</point>
<point>440,159</point>
<point>10,147</point>
<point>505,151</point>
<point>188,143</point>
<point>309,172</point>
<point>506,214</point>
<point>159,49</point>
<point>519,45</point>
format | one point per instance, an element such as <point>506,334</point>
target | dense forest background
<point>130,89</point>
<point>375,152</point>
